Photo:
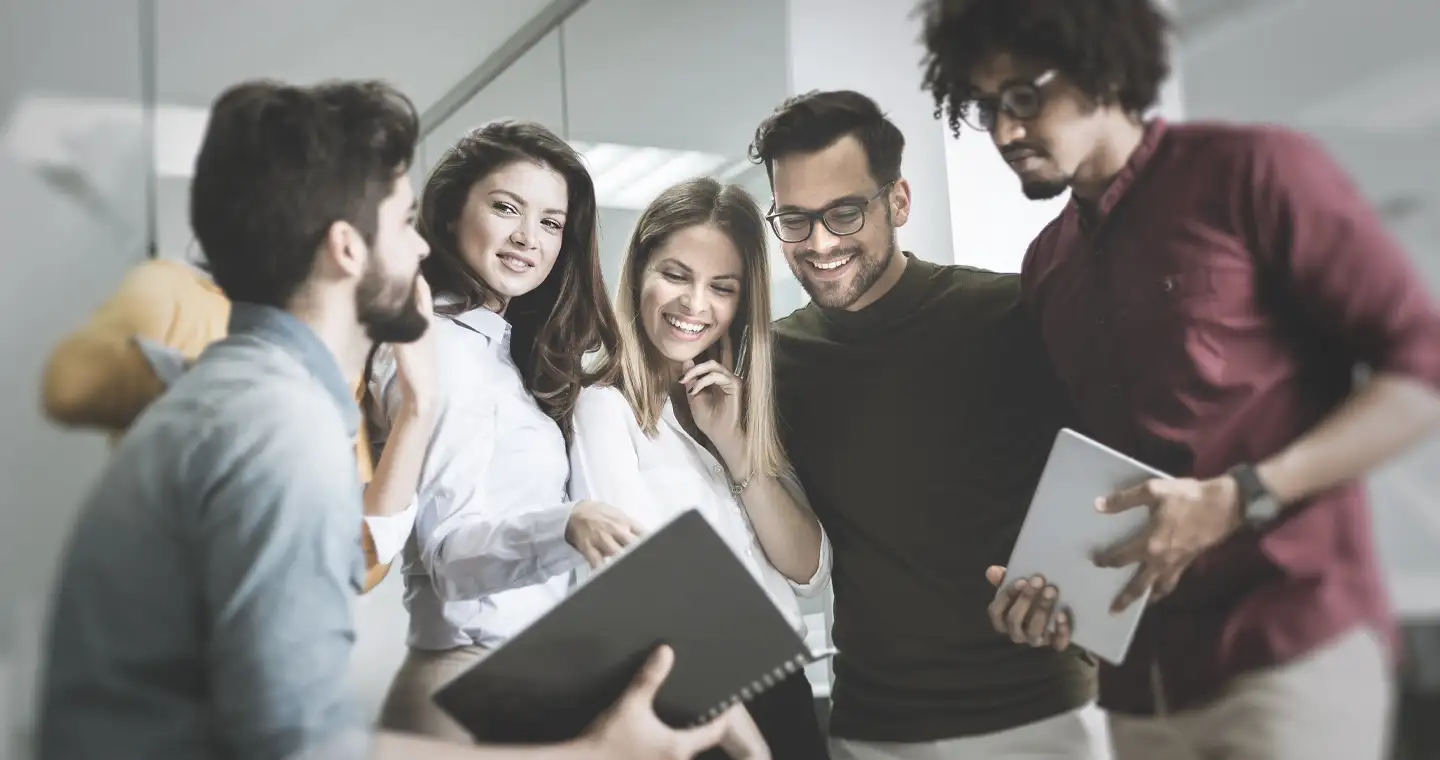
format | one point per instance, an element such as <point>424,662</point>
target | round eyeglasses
<point>1020,100</point>
<point>841,219</point>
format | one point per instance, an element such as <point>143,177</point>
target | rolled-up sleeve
<point>281,568</point>
<point>1343,270</point>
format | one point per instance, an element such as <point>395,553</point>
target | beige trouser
<point>1076,735</point>
<point>1333,704</point>
<point>408,706</point>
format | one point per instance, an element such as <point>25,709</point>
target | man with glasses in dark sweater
<point>918,409</point>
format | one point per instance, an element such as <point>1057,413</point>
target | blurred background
<point>651,91</point>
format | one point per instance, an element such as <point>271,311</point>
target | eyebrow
<point>688,270</point>
<point>521,202</point>
<point>853,199</point>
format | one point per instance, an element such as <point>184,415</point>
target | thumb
<point>995,574</point>
<point>693,741</point>
<point>652,675</point>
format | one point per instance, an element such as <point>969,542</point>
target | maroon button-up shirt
<point>1209,310</point>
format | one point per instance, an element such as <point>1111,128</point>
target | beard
<point>1044,190</point>
<point>869,268</point>
<point>389,309</point>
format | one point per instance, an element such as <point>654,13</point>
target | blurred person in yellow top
<point>165,312</point>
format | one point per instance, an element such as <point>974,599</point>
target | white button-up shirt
<point>488,553</point>
<point>654,479</point>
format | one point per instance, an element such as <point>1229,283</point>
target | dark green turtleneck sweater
<point>919,427</point>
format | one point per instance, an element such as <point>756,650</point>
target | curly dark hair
<point>556,326</point>
<point>815,120</point>
<point>1114,51</point>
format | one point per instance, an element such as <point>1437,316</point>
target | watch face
<point>1262,510</point>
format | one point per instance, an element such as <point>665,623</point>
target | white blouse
<point>655,479</point>
<point>487,555</point>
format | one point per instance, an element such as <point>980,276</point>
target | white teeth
<point>828,265</point>
<point>515,263</point>
<point>689,327</point>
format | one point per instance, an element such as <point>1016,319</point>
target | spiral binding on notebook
<point>756,688</point>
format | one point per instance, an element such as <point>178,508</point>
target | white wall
<point>63,254</point>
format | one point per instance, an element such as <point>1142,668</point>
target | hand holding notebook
<point>681,586</point>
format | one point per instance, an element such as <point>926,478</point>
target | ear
<point>900,202</point>
<point>343,253</point>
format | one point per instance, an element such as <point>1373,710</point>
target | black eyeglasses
<point>1021,100</point>
<point>844,218</point>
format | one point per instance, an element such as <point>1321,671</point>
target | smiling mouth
<point>515,263</point>
<point>831,265</point>
<point>687,329</point>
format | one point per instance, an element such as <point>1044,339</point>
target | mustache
<point>1013,152</point>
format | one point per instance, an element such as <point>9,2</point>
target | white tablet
<point>1062,530</point>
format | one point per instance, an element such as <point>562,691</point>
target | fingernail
<point>1100,505</point>
<point>1050,594</point>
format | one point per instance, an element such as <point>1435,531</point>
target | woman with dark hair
<point>688,420</point>
<point>510,216</point>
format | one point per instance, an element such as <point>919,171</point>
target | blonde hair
<point>644,379</point>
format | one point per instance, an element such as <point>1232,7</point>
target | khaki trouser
<point>1333,704</point>
<point>1076,735</point>
<point>408,706</point>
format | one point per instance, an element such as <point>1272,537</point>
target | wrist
<point>736,456</point>
<point>1256,503</point>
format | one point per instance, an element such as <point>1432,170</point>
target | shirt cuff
<point>817,581</point>
<point>390,532</point>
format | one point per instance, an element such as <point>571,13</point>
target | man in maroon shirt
<point>1207,297</point>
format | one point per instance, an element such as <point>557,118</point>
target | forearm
<point>397,475</point>
<point>1390,414</point>
<point>788,531</point>
<point>487,553</point>
<point>98,381</point>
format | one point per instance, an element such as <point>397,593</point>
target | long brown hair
<point>643,377</point>
<point>554,326</point>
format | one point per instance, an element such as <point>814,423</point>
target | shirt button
<point>1100,320</point>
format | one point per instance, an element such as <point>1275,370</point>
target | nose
<point>695,299</point>
<point>1007,130</point>
<point>526,233</point>
<point>822,240</point>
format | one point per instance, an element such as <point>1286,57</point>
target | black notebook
<point>681,586</point>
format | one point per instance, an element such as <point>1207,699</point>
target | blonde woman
<point>690,422</point>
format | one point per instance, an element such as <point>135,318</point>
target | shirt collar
<point>281,329</point>
<point>481,320</point>
<point>1139,160</point>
